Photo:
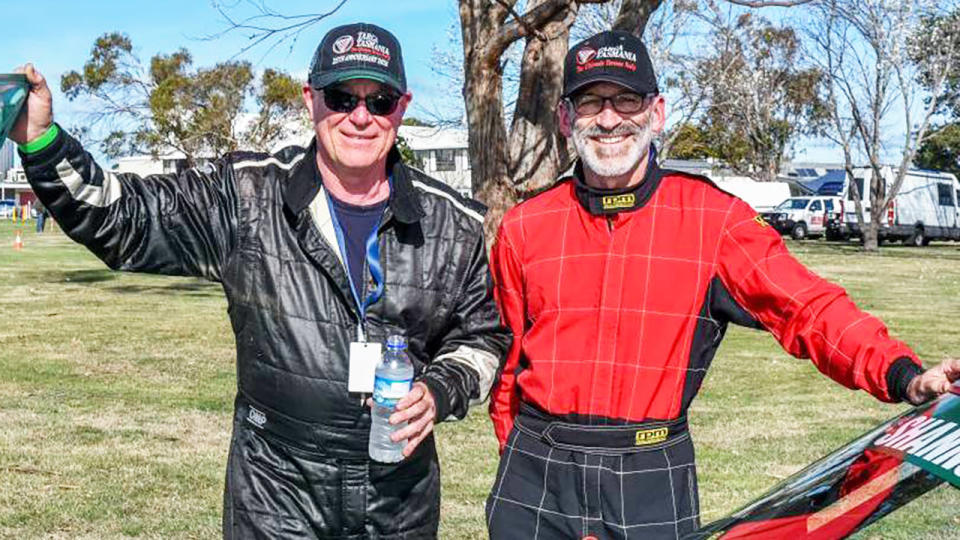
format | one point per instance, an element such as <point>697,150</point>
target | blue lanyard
<point>373,263</point>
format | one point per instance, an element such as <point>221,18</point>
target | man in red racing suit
<point>618,285</point>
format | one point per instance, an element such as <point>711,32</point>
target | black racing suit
<point>259,224</point>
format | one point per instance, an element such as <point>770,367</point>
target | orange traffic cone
<point>18,241</point>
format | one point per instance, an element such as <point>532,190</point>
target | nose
<point>360,116</point>
<point>608,117</point>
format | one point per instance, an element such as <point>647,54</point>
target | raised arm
<point>170,224</point>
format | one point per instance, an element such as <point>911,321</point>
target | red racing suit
<point>618,316</point>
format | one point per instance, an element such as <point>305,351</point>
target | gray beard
<point>613,165</point>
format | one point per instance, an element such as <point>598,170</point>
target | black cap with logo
<point>358,51</point>
<point>613,56</point>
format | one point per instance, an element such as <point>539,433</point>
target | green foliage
<point>414,121</point>
<point>934,47</point>
<point>761,99</point>
<point>691,142</point>
<point>941,150</point>
<point>281,103</point>
<point>101,71</point>
<point>406,153</point>
<point>171,105</point>
<point>116,400</point>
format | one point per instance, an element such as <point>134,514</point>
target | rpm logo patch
<point>761,222</point>
<point>342,44</point>
<point>617,202</point>
<point>647,437</point>
<point>256,417</point>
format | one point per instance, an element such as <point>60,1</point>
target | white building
<point>7,157</point>
<point>442,153</point>
<point>12,179</point>
<point>145,165</point>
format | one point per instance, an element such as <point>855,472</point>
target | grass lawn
<point>116,393</point>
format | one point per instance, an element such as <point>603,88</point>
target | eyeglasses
<point>623,103</point>
<point>379,104</point>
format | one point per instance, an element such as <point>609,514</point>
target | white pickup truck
<point>801,217</point>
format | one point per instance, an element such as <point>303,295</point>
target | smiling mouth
<point>358,138</point>
<point>609,139</point>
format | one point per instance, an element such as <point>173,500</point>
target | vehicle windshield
<point>793,204</point>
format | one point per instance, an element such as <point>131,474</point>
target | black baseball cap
<point>613,56</point>
<point>358,51</point>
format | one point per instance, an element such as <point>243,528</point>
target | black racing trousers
<point>559,480</point>
<point>292,480</point>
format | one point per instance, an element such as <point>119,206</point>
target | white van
<point>803,216</point>
<point>762,196</point>
<point>925,209</point>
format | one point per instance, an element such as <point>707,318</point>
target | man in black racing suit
<point>315,248</point>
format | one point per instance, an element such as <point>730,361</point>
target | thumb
<point>37,81</point>
<point>951,368</point>
<point>37,114</point>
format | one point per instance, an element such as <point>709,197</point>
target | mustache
<point>622,129</point>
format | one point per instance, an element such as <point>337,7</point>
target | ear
<point>402,105</point>
<point>659,112</point>
<point>563,118</point>
<point>308,99</point>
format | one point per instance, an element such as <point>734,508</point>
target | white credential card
<point>363,365</point>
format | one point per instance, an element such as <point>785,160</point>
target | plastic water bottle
<point>392,381</point>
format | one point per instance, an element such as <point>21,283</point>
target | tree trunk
<point>634,14</point>
<point>487,142</point>
<point>871,236</point>
<point>871,242</point>
<point>538,153</point>
<point>483,98</point>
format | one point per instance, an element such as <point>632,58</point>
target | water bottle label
<point>387,392</point>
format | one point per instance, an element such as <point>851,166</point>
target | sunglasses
<point>623,103</point>
<point>379,104</point>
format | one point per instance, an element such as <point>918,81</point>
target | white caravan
<point>925,209</point>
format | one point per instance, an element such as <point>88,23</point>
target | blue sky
<point>61,39</point>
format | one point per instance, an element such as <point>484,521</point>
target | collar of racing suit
<point>304,185</point>
<point>601,202</point>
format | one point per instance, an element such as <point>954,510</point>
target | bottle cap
<point>396,342</point>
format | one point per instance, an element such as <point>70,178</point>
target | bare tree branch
<point>530,30</point>
<point>634,14</point>
<point>518,28</point>
<point>265,31</point>
<point>769,3</point>
<point>533,19</point>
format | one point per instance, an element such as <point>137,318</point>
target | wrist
<point>40,142</point>
<point>901,378</point>
<point>914,395</point>
<point>441,402</point>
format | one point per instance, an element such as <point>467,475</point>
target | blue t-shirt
<point>357,223</point>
